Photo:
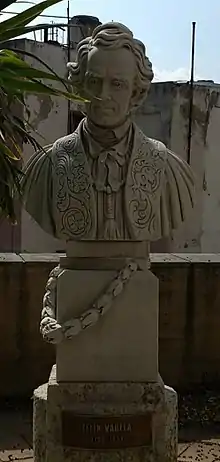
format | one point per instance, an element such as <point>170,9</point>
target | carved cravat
<point>109,180</point>
<point>108,157</point>
<point>109,165</point>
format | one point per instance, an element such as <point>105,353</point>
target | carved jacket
<point>59,190</point>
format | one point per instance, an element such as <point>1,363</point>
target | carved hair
<point>112,36</point>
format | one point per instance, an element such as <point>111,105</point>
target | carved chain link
<point>54,332</point>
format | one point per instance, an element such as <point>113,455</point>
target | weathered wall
<point>201,233</point>
<point>48,117</point>
<point>210,235</point>
<point>154,117</point>
<point>188,328</point>
<point>165,116</point>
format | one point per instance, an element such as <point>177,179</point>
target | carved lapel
<point>143,186</point>
<point>75,202</point>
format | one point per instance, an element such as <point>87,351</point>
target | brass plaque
<point>107,432</point>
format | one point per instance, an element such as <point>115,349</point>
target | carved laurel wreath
<point>53,332</point>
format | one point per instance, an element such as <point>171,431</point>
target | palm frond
<point>5,3</point>
<point>17,78</point>
<point>24,18</point>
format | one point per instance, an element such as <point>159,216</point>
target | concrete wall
<point>165,116</point>
<point>201,233</point>
<point>154,117</point>
<point>48,117</point>
<point>210,236</point>
<point>188,328</point>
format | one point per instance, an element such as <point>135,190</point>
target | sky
<point>164,26</point>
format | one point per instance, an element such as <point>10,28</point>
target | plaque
<point>106,432</point>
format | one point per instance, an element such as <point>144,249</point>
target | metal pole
<point>191,93</point>
<point>46,34</point>
<point>68,31</point>
<point>52,33</point>
<point>68,57</point>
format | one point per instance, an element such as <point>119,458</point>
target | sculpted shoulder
<point>155,145</point>
<point>149,147</point>
<point>65,144</point>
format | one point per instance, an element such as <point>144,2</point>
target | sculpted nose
<point>104,92</point>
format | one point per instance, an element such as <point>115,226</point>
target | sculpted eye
<point>117,83</point>
<point>93,84</point>
<point>93,81</point>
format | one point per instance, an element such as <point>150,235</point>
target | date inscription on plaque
<point>107,432</point>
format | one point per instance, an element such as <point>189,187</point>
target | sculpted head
<point>113,72</point>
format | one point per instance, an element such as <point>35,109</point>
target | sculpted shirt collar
<point>100,139</point>
<point>109,150</point>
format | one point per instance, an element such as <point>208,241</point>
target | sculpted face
<point>109,82</point>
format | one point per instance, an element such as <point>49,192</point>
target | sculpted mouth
<point>103,107</point>
<point>106,109</point>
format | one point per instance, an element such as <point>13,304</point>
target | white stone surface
<point>123,345</point>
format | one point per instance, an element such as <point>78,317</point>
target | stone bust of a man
<point>107,180</point>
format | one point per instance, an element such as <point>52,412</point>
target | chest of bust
<point>87,206</point>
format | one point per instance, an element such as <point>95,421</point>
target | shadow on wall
<point>189,320</point>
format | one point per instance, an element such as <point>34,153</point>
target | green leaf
<point>23,85</point>
<point>15,84</point>
<point>2,136</point>
<point>22,30</point>
<point>5,3</point>
<point>9,62</point>
<point>15,32</point>
<point>16,78</point>
<point>19,127</point>
<point>35,57</point>
<point>20,72</point>
<point>7,151</point>
<point>9,184</point>
<point>17,149</point>
<point>24,18</point>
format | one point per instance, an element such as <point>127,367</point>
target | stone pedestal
<point>105,400</point>
<point>105,422</point>
<point>122,345</point>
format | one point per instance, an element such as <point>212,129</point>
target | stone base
<point>105,422</point>
<point>123,345</point>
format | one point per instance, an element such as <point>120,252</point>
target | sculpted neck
<point>107,136</point>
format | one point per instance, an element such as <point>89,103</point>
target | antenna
<point>191,92</point>
<point>68,58</point>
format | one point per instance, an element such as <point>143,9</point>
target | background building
<point>165,116</point>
